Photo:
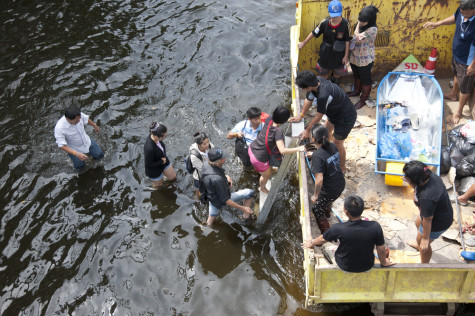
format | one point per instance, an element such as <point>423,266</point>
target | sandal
<point>251,218</point>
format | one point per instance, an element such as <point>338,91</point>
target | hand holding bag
<point>241,150</point>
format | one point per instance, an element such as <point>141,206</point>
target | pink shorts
<point>259,166</point>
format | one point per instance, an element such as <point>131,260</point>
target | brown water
<point>100,242</point>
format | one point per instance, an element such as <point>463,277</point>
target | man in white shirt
<point>245,133</point>
<point>72,138</point>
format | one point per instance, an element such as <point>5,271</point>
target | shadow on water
<point>216,245</point>
<point>163,202</point>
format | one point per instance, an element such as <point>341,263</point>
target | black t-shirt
<point>327,161</point>
<point>434,201</point>
<point>462,44</point>
<point>357,241</point>
<point>332,101</point>
<point>258,146</point>
<point>328,58</point>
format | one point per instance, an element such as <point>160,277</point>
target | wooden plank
<point>279,177</point>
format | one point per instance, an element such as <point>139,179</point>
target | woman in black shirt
<point>329,180</point>
<point>156,160</point>
<point>435,208</point>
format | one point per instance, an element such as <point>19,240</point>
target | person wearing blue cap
<point>218,186</point>
<point>335,47</point>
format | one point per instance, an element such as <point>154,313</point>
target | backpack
<point>188,165</point>
<point>191,169</point>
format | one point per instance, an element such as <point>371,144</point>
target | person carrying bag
<point>260,150</point>
<point>245,133</point>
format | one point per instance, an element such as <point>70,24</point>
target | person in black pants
<point>363,54</point>
<point>156,160</point>
<point>329,180</point>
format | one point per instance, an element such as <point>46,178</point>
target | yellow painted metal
<point>403,283</point>
<point>393,167</point>
<point>401,20</point>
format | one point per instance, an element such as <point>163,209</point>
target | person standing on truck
<point>463,52</point>
<point>435,210</point>
<point>335,47</point>
<point>331,101</point>
<point>329,180</point>
<point>362,54</point>
<point>357,239</point>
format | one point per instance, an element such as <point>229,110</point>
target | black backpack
<point>188,165</point>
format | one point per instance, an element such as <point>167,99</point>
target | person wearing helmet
<point>335,47</point>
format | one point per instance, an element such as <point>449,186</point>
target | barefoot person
<point>218,187</point>
<point>331,100</point>
<point>155,154</point>
<point>430,196</point>
<point>463,61</point>
<point>270,139</point>
<point>357,239</point>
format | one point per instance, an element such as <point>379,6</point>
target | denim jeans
<point>94,150</point>
<point>240,195</point>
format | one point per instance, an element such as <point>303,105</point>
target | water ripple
<point>102,242</point>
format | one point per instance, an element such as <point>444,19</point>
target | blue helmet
<point>335,8</point>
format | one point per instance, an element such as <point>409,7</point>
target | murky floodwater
<point>101,242</point>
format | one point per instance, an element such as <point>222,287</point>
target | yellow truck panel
<point>400,25</point>
<point>400,30</point>
<point>401,283</point>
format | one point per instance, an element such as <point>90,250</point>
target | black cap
<point>216,153</point>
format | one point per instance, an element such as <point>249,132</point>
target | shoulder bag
<point>275,155</point>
